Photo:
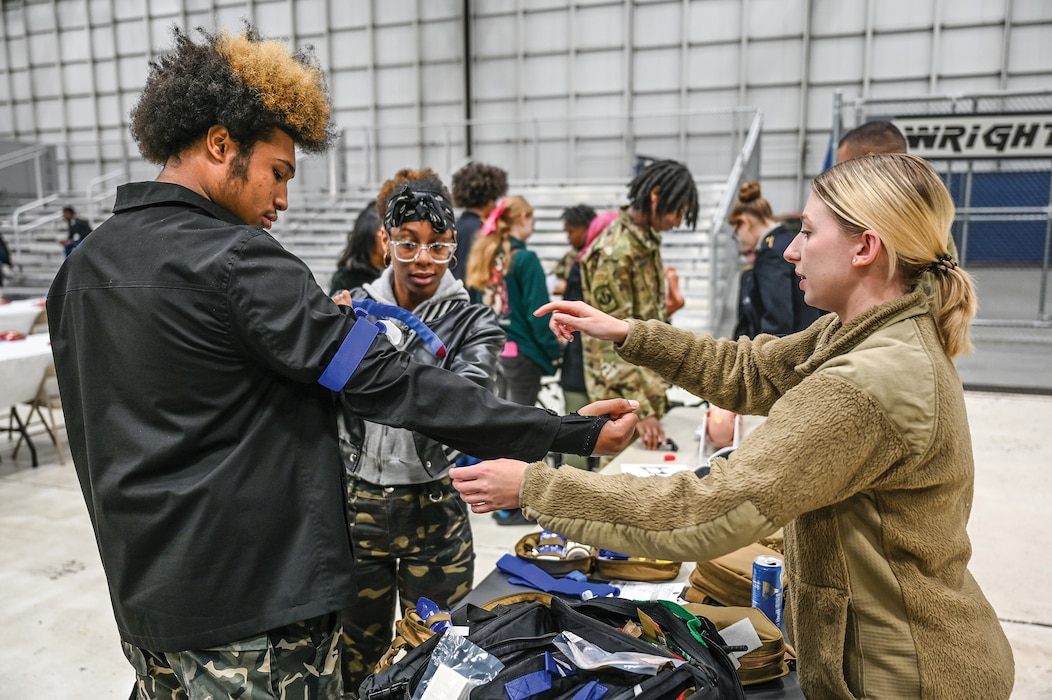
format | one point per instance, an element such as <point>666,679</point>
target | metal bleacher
<point>317,228</point>
<point>33,231</point>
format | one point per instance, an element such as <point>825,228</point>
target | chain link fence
<point>994,153</point>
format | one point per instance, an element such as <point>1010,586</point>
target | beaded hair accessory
<point>943,265</point>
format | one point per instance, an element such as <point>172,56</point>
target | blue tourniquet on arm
<point>350,354</point>
<point>361,336</point>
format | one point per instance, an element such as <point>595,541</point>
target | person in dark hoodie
<point>476,189</point>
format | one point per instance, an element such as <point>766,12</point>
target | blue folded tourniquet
<point>524,573</point>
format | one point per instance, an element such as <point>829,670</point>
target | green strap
<point>693,623</point>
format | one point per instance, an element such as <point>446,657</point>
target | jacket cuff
<point>578,434</point>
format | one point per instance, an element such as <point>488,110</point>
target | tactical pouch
<point>526,548</point>
<point>760,665</point>
<point>727,580</point>
<point>627,569</point>
<point>637,569</point>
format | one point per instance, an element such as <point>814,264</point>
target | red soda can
<point>767,587</point>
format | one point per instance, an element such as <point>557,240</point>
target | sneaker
<point>511,517</point>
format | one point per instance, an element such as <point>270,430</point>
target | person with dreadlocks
<point>410,530</point>
<point>200,363</point>
<point>623,275</point>
<point>864,456</point>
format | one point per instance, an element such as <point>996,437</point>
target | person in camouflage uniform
<point>623,275</point>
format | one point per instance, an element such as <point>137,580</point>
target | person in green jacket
<point>865,456</point>
<point>511,281</point>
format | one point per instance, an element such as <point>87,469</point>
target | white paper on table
<point>666,469</point>
<point>642,590</point>
<point>741,634</point>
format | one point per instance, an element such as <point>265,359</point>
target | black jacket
<point>770,299</point>
<point>473,342</point>
<point>468,225</point>
<point>188,347</point>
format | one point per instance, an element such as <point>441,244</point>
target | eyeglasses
<point>409,251</point>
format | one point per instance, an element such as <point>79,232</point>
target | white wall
<point>71,69</point>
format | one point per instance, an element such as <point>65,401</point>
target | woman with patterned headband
<point>409,529</point>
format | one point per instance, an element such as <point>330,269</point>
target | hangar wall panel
<point>550,81</point>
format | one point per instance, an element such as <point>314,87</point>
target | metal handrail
<point>719,217</point>
<point>93,199</point>
<point>17,214</point>
<point>32,153</point>
<point>21,156</point>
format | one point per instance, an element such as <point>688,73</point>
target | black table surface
<point>496,585</point>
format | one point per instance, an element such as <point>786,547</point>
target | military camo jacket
<point>623,276</point>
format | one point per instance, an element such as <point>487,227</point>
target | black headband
<point>408,205</point>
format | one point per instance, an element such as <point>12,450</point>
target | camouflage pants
<point>409,541</point>
<point>296,662</point>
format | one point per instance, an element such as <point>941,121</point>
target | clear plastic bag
<point>585,655</point>
<point>462,656</point>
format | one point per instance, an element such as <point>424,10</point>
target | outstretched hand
<point>495,483</point>
<point>570,316</point>
<point>619,431</point>
<point>490,485</point>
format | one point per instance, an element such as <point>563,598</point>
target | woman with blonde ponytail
<point>913,233</point>
<point>864,458</point>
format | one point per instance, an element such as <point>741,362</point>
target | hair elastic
<point>490,224</point>
<point>943,265</point>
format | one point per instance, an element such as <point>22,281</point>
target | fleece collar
<point>837,338</point>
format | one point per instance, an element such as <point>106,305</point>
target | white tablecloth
<point>22,366</point>
<point>19,315</point>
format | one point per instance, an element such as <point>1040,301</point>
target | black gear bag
<point>521,635</point>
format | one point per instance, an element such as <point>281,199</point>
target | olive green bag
<point>759,665</point>
<point>727,580</point>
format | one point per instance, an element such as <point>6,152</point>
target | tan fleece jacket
<point>865,458</point>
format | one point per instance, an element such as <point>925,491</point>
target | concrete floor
<point>58,638</point>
